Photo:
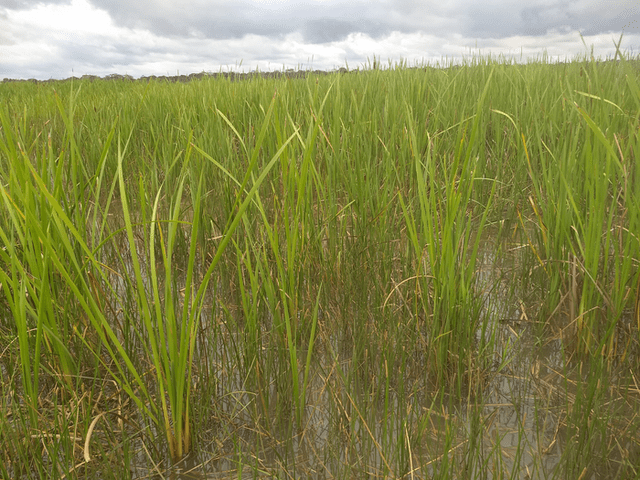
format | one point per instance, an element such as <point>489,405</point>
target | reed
<point>393,272</point>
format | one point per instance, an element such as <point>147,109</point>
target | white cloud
<point>78,18</point>
<point>158,37</point>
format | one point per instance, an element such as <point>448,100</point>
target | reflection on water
<point>361,420</point>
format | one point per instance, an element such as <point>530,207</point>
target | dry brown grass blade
<point>87,454</point>
<point>373,439</point>
<point>637,309</point>
<point>395,288</point>
<point>530,243</point>
<point>406,434</point>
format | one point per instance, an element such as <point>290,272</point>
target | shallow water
<point>514,426</point>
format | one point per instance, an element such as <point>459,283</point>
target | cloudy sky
<point>59,38</point>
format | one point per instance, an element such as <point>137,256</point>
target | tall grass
<point>361,274</point>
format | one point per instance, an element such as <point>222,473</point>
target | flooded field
<point>403,273</point>
<point>359,417</point>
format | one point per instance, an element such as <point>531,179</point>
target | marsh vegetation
<point>388,273</point>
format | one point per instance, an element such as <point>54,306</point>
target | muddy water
<point>341,430</point>
<point>516,427</point>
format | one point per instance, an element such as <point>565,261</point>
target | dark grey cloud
<point>318,22</point>
<point>587,17</point>
<point>327,21</point>
<point>322,22</point>
<point>506,19</point>
<point>325,30</point>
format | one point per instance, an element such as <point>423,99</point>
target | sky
<point>48,39</point>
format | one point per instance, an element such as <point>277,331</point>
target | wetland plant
<point>401,272</point>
